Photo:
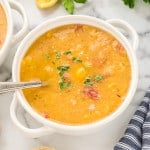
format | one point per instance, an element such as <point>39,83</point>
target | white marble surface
<point>105,139</point>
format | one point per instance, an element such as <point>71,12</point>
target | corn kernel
<point>80,73</point>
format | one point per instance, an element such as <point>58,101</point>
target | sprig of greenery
<point>67,53</point>
<point>57,55</point>
<point>131,3</point>
<point>47,56</point>
<point>63,83</point>
<point>74,59</point>
<point>146,1</point>
<point>63,68</point>
<point>98,78</point>
<point>80,1</point>
<point>69,4</point>
<point>90,81</point>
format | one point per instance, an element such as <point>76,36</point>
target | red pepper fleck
<point>119,47</point>
<point>78,27</point>
<point>45,115</point>
<point>91,92</point>
<point>66,76</point>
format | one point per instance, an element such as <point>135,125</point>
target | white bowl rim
<point>119,110</point>
<point>9,29</point>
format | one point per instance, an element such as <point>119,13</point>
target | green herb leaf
<point>80,1</point>
<point>68,5</point>
<point>146,1</point>
<point>88,81</point>
<point>47,56</point>
<point>74,59</point>
<point>98,78</point>
<point>53,62</point>
<point>67,53</point>
<point>64,84</point>
<point>57,54</point>
<point>63,68</point>
<point>61,74</point>
<point>130,3</point>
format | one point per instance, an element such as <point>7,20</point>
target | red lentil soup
<point>3,26</point>
<point>87,69</point>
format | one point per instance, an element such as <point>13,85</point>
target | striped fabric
<point>137,134</point>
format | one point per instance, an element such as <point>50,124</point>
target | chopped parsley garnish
<point>64,84</point>
<point>57,54</point>
<point>98,78</point>
<point>74,59</point>
<point>47,56</point>
<point>88,81</point>
<point>61,74</point>
<point>53,62</point>
<point>63,68</point>
<point>67,53</point>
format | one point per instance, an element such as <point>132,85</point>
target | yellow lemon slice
<point>45,3</point>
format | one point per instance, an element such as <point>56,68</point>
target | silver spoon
<point>12,86</point>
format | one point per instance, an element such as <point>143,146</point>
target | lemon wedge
<point>45,3</point>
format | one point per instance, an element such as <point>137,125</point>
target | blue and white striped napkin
<point>137,134</point>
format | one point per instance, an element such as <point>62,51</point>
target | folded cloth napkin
<point>137,134</point>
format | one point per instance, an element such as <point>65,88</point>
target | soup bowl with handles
<point>12,38</point>
<point>48,126</point>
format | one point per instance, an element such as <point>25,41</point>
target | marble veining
<point>139,18</point>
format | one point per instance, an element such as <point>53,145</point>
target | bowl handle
<point>32,133</point>
<point>128,28</point>
<point>16,6</point>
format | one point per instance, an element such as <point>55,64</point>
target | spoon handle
<point>12,86</point>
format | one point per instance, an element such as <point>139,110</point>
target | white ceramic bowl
<point>12,38</point>
<point>50,126</point>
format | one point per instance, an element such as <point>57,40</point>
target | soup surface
<point>88,72</point>
<point>3,26</point>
